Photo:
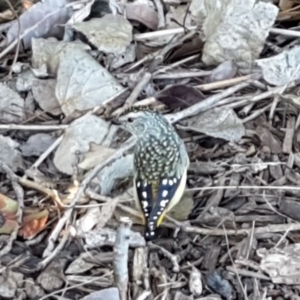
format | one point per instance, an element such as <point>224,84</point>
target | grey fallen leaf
<point>80,265</point>
<point>121,60</point>
<point>281,264</point>
<point>218,122</point>
<point>283,68</point>
<point>82,83</point>
<point>114,173</point>
<point>43,91</point>
<point>48,14</point>
<point>106,294</point>
<point>33,291</point>
<point>81,132</point>
<point>25,81</point>
<point>109,34</point>
<point>225,70</point>
<point>8,287</point>
<point>236,30</point>
<point>10,154</point>
<point>37,144</point>
<point>11,106</point>
<point>46,52</point>
<point>95,156</point>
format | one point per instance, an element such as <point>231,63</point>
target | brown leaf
<point>180,96</point>
<point>143,14</point>
<point>33,223</point>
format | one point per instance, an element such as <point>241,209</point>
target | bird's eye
<point>130,120</point>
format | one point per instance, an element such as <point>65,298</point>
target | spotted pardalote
<point>160,165</point>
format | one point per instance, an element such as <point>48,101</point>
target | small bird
<point>160,165</point>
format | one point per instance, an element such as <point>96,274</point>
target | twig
<point>136,92</point>
<point>20,196</point>
<point>19,40</point>
<point>223,83</point>
<point>245,187</point>
<point>33,127</point>
<point>41,265</point>
<point>121,257</point>
<point>258,230</point>
<point>160,12</point>
<point>47,152</point>
<point>167,254</point>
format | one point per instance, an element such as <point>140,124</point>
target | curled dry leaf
<point>281,264</point>
<point>10,153</point>
<point>48,14</point>
<point>282,68</point>
<point>109,34</point>
<point>195,282</point>
<point>180,96</point>
<point>236,30</point>
<point>8,214</point>
<point>44,94</point>
<point>11,106</point>
<point>80,264</point>
<point>114,173</point>
<point>225,70</point>
<point>83,131</point>
<point>89,219</point>
<point>33,222</point>
<point>219,123</point>
<point>143,14</point>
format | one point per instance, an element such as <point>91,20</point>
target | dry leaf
<point>81,132</point>
<point>109,34</point>
<point>282,68</point>
<point>8,214</point>
<point>236,30</point>
<point>180,96</point>
<point>33,222</point>
<point>11,106</point>
<point>143,14</point>
<point>219,123</point>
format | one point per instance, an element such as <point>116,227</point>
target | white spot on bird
<point>165,193</point>
<point>138,184</point>
<point>145,204</point>
<point>170,182</point>
<point>175,180</point>
<point>163,203</point>
<point>145,184</point>
<point>159,213</point>
<point>146,215</point>
<point>155,218</point>
<point>165,181</point>
<point>144,194</point>
<point>152,233</point>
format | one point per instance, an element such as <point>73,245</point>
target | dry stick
<point>179,75</point>
<point>160,12</point>
<point>135,93</point>
<point>159,33</point>
<point>248,231</point>
<point>223,83</point>
<point>19,40</point>
<point>20,196</point>
<point>120,261</point>
<point>32,127</point>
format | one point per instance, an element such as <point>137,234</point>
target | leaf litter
<point>224,73</point>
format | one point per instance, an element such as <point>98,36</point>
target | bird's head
<point>138,121</point>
